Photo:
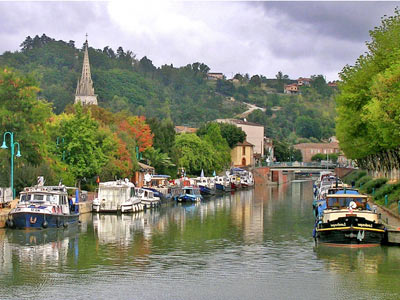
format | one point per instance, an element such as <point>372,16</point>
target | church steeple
<point>84,89</point>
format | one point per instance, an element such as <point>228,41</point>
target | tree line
<point>368,104</point>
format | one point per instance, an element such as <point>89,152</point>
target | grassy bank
<point>377,188</point>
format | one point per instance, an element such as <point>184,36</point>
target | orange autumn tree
<point>137,128</point>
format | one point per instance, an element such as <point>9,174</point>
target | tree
<point>225,87</point>
<point>231,133</point>
<point>255,81</point>
<point>139,130</point>
<point>85,156</point>
<point>367,106</point>
<point>194,154</point>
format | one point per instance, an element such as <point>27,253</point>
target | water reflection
<point>247,244</point>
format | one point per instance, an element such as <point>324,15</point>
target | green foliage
<point>320,156</point>
<point>367,106</point>
<point>285,153</point>
<point>373,184</point>
<point>363,180</point>
<point>209,152</point>
<point>387,189</point>
<point>354,176</point>
<point>194,154</point>
<point>85,153</point>
<point>157,159</point>
<point>231,133</point>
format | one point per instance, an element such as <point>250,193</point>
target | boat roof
<point>347,196</point>
<point>160,176</point>
<point>45,189</point>
<point>116,184</point>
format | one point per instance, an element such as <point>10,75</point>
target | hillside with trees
<point>183,95</point>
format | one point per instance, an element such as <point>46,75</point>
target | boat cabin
<point>343,201</point>
<point>191,191</point>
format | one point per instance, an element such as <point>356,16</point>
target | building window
<point>244,150</point>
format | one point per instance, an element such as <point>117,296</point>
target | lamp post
<point>12,144</point>
<point>62,143</point>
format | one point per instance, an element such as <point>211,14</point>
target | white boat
<point>223,183</point>
<point>43,207</point>
<point>147,198</point>
<point>117,196</point>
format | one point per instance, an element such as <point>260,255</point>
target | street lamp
<point>62,143</point>
<point>4,146</point>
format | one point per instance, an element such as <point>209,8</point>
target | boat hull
<point>187,198</point>
<point>36,220</point>
<point>351,236</point>
<point>206,191</point>
<point>350,230</point>
<point>221,187</point>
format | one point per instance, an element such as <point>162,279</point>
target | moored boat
<point>41,207</point>
<point>222,183</point>
<point>190,194</point>
<point>147,198</point>
<point>116,196</point>
<point>348,220</point>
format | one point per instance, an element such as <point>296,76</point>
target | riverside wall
<point>268,176</point>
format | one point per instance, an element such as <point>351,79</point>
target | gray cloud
<point>299,38</point>
<point>343,20</point>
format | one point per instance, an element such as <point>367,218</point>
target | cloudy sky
<point>298,38</point>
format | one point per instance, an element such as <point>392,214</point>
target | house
<point>185,129</point>
<point>254,133</point>
<point>242,155</point>
<point>291,88</point>
<point>215,76</point>
<point>333,84</point>
<point>308,150</point>
<point>304,81</point>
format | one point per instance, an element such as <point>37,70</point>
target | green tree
<point>231,133</point>
<point>367,106</point>
<point>194,154</point>
<point>85,155</point>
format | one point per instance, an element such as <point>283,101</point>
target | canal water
<point>254,244</point>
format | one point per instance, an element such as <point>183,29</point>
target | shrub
<point>363,180</point>
<point>354,176</point>
<point>375,183</point>
<point>386,189</point>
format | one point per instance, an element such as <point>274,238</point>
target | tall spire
<point>84,90</point>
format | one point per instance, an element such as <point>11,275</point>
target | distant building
<point>308,150</point>
<point>254,133</point>
<point>185,129</point>
<point>242,155</point>
<point>304,81</point>
<point>333,84</point>
<point>291,88</point>
<point>215,76</point>
<point>84,89</point>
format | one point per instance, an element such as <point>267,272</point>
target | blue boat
<point>190,194</point>
<point>43,207</point>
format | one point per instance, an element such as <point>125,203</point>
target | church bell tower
<point>84,89</point>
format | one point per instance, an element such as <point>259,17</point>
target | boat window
<point>37,197</point>
<point>48,198</point>
<point>25,197</point>
<point>132,192</point>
